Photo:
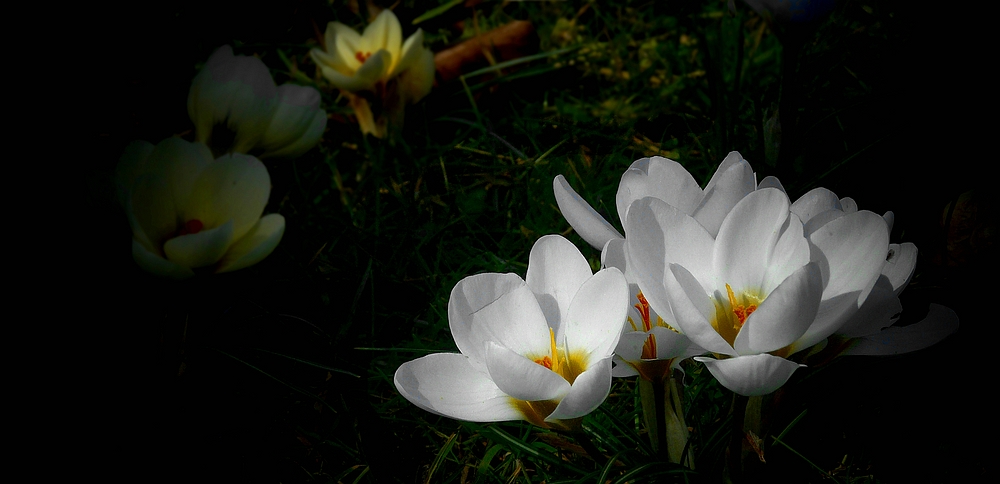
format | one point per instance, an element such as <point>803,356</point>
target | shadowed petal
<point>447,384</point>
<point>157,265</point>
<point>880,310</point>
<point>409,53</point>
<point>581,216</point>
<point>899,265</point>
<point>939,323</point>
<point>751,375</point>
<point>234,187</point>
<point>257,244</point>
<point>297,123</point>
<point>201,249</point>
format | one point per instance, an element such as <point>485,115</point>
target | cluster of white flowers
<point>735,270</point>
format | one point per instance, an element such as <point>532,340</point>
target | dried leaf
<point>511,41</point>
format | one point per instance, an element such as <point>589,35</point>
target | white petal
<point>751,375</point>
<point>658,234</point>
<point>747,236</point>
<point>262,239</point>
<point>498,308</point>
<point>660,178</point>
<point>852,251</point>
<point>785,314</point>
<point>232,188</point>
<point>732,181</point>
<point>447,384</point>
<point>693,310</point>
<point>409,54</point>
<point>597,314</point>
<point>629,346</point>
<point>816,201</point>
<point>344,43</point>
<point>771,182</point>
<point>556,271</point>
<point>670,344</point>
<point>522,378</point>
<point>584,219</point>
<point>416,82</point>
<point>179,164</point>
<point>880,310</point>
<point>939,323</point>
<point>613,255</point>
<point>384,33</point>
<point>588,392</point>
<point>791,252</point>
<point>297,123</point>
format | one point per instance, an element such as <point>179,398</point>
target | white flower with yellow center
<point>762,289</point>
<point>537,349</point>
<point>189,211</point>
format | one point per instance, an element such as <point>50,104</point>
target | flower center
<point>567,365</point>
<point>362,56</point>
<point>192,226</point>
<point>732,313</point>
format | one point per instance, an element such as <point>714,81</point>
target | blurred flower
<point>188,211</point>
<point>537,349</point>
<point>236,108</point>
<point>765,287</point>
<point>379,72</point>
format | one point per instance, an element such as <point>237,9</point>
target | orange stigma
<point>742,312</point>
<point>552,362</point>
<point>362,56</point>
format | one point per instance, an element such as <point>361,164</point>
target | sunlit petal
<point>556,271</point>
<point>447,384</point>
<point>584,219</point>
<point>785,315</point>
<point>597,313</point>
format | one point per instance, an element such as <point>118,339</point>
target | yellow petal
<point>255,245</point>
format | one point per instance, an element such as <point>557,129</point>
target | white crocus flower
<point>761,289</point>
<point>189,211</point>
<point>537,349</point>
<point>236,108</point>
